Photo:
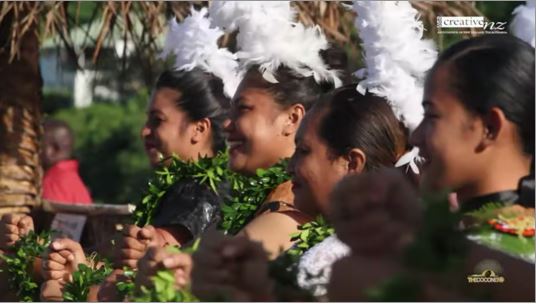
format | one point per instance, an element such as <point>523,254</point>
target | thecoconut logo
<point>487,271</point>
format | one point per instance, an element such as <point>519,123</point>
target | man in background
<point>61,182</point>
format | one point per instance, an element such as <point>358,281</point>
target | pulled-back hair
<point>293,88</point>
<point>201,97</point>
<point>494,71</point>
<point>350,120</point>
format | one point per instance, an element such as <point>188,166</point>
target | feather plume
<point>194,43</point>
<point>396,60</point>
<point>522,25</point>
<point>396,57</point>
<point>269,37</point>
<point>230,15</point>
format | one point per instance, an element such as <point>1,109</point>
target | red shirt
<point>63,184</point>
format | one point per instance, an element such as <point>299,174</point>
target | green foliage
<point>55,100</point>
<point>309,234</point>
<point>164,290</point>
<point>162,287</point>
<point>401,288</point>
<point>248,194</point>
<point>83,278</point>
<point>108,145</point>
<point>284,269</point>
<point>498,11</point>
<point>486,212</point>
<point>19,265</point>
<point>126,287</point>
<point>519,246</point>
<point>209,170</point>
<point>439,244</point>
<point>483,233</point>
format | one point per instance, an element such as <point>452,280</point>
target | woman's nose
<point>145,131</point>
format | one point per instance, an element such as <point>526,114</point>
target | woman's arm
<point>273,230</point>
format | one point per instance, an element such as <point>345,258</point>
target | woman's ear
<point>356,161</point>
<point>494,123</point>
<point>294,117</point>
<point>201,130</point>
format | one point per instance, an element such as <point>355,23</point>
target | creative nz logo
<point>471,22</point>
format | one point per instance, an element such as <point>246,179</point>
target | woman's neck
<point>502,175</point>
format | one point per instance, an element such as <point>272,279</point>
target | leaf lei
<point>505,228</point>
<point>126,288</point>
<point>163,289</point>
<point>207,170</point>
<point>248,194</point>
<point>284,269</point>
<point>84,277</point>
<point>19,265</point>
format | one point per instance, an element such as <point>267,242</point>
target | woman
<point>345,133</point>
<point>477,139</point>
<point>184,118</point>
<point>263,123</point>
<point>477,136</point>
<point>264,119</point>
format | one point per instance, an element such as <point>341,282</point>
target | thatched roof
<point>60,20</point>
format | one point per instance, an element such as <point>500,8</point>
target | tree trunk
<point>20,121</point>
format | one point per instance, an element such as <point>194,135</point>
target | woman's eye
<point>243,108</point>
<point>155,120</point>
<point>429,115</point>
<point>302,150</point>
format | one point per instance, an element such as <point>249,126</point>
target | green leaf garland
<point>483,233</point>
<point>19,264</point>
<point>248,194</point>
<point>207,170</point>
<point>84,277</point>
<point>163,289</point>
<point>284,269</point>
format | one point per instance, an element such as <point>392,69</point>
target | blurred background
<point>98,61</point>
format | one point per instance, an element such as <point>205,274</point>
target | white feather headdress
<point>396,59</point>
<point>522,25</point>
<point>195,44</point>
<point>269,37</point>
<point>230,15</point>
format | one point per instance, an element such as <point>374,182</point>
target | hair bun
<point>526,191</point>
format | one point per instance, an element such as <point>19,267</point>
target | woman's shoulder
<point>281,200</point>
<point>282,193</point>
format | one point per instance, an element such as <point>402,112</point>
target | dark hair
<point>293,88</point>
<point>201,97</point>
<point>351,120</point>
<point>494,71</point>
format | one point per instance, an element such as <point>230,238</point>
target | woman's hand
<point>62,260</point>
<point>107,290</point>
<point>352,276</point>
<point>376,213</point>
<point>51,291</point>
<point>12,227</point>
<point>133,245</point>
<point>158,258</point>
<point>232,268</point>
